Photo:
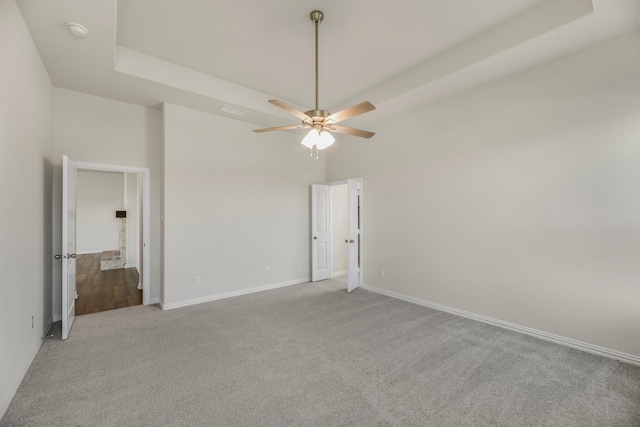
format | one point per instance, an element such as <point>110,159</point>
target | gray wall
<point>234,203</point>
<point>518,200</point>
<point>25,188</point>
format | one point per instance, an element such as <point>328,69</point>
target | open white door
<point>69,172</point>
<point>320,233</point>
<point>353,280</point>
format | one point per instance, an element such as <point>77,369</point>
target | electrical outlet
<point>267,269</point>
<point>381,273</point>
<point>32,321</point>
<point>196,280</point>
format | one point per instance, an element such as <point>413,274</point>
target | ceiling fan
<point>322,122</point>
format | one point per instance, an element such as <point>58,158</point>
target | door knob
<point>58,256</point>
<point>315,237</point>
<point>74,255</point>
<point>346,241</point>
<point>351,241</point>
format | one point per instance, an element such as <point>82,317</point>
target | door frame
<point>68,247</point>
<point>146,216</point>
<point>361,247</point>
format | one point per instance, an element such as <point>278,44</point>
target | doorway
<point>346,232</point>
<point>70,170</point>
<point>337,232</point>
<point>107,241</point>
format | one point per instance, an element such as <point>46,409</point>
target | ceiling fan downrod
<point>316,17</point>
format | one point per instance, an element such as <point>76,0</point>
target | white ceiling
<point>397,55</point>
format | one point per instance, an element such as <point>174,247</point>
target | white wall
<point>25,188</point>
<point>98,196</point>
<point>234,202</point>
<point>519,200</point>
<point>339,228</point>
<point>98,130</point>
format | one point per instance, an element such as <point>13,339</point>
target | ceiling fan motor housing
<point>317,113</point>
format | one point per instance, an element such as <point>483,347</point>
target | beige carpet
<point>311,355</point>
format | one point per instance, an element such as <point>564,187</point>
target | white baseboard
<point>133,265</point>
<point>19,378</point>
<point>216,297</point>
<point>57,317</point>
<point>339,273</point>
<point>579,345</point>
<point>153,301</point>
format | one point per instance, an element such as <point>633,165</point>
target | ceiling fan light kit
<point>320,122</point>
<point>318,138</point>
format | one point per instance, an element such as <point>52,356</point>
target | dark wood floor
<point>104,290</point>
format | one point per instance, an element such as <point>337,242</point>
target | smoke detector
<point>77,29</point>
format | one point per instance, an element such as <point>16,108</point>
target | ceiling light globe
<point>310,140</point>
<point>321,140</point>
<point>325,140</point>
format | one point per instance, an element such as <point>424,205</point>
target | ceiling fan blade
<point>355,110</point>
<point>352,131</point>
<point>299,114</point>
<point>279,128</point>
